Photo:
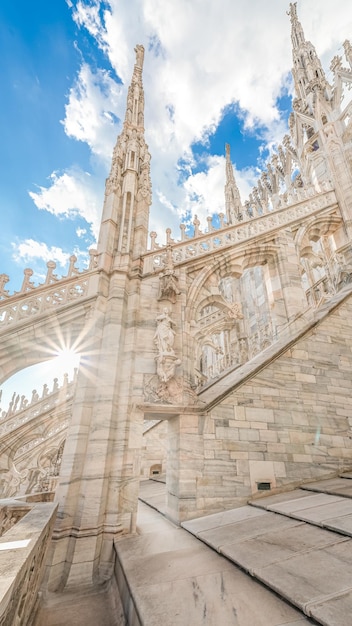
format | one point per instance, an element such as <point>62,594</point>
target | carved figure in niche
<point>243,351</point>
<point>168,279</point>
<point>165,335</point>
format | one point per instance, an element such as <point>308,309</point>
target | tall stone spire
<point>124,227</point>
<point>233,205</point>
<point>308,74</point>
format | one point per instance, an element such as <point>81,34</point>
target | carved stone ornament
<point>168,286</point>
<point>174,391</point>
<point>164,337</point>
<point>166,366</point>
<point>235,311</point>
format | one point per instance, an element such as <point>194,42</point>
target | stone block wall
<point>289,424</point>
<point>154,450</point>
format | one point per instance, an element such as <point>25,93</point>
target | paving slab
<point>195,526</point>
<point>158,540</point>
<point>161,567</point>
<point>278,545</point>
<point>338,486</point>
<point>158,502</point>
<point>231,533</point>
<point>311,501</point>
<point>81,609</point>
<point>221,599</point>
<point>151,488</point>
<point>342,524</point>
<point>264,501</point>
<point>191,585</point>
<point>324,513</point>
<point>334,611</point>
<point>312,577</point>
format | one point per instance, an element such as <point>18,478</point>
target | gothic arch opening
<point>36,409</point>
<point>235,325</point>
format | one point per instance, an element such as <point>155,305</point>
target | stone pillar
<point>290,275</point>
<point>98,490</point>
<point>185,462</point>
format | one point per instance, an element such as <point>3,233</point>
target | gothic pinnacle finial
<point>292,12</point>
<point>232,195</point>
<point>139,50</point>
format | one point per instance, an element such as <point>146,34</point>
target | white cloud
<point>36,255</point>
<point>93,102</point>
<point>30,250</point>
<point>200,58</point>
<point>70,194</point>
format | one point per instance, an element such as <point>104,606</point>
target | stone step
<point>167,577</point>
<point>333,512</point>
<point>297,543</point>
<point>340,486</point>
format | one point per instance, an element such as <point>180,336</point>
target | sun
<point>67,360</point>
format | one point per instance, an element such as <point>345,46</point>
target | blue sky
<point>214,72</point>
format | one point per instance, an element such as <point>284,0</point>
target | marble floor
<point>176,580</point>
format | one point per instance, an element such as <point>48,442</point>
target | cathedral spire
<point>135,98</point>
<point>308,74</point>
<point>124,228</point>
<point>232,195</point>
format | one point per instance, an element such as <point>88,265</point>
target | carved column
<point>290,275</point>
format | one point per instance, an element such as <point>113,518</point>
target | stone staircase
<point>298,544</point>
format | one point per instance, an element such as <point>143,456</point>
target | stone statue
<point>165,335</point>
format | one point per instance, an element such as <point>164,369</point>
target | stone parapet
<point>239,233</point>
<point>23,549</point>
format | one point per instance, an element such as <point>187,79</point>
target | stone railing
<point>21,411</point>
<point>238,233</point>
<point>318,292</point>
<point>247,348</point>
<point>23,549</point>
<point>211,318</point>
<point>44,300</point>
<point>58,428</point>
<point>50,279</point>
<point>53,293</point>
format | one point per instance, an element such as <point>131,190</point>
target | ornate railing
<point>21,411</point>
<point>53,293</point>
<point>34,304</point>
<point>245,349</point>
<point>29,540</point>
<point>237,233</point>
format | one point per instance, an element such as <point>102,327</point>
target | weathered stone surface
<point>278,545</point>
<point>176,580</point>
<point>335,486</point>
<point>242,530</point>
<point>333,611</point>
